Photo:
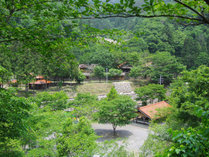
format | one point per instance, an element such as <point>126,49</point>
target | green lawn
<point>90,87</point>
<point>94,88</point>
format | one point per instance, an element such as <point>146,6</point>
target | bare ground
<point>133,134</point>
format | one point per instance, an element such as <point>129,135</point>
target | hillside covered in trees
<point>160,42</point>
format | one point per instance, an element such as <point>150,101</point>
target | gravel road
<point>134,134</point>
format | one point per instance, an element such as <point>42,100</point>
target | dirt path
<point>134,134</point>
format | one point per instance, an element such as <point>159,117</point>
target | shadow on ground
<point>107,134</point>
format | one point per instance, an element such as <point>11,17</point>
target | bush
<point>80,78</point>
<point>136,72</point>
<point>56,101</point>
<point>84,104</point>
<point>99,72</point>
<point>84,99</point>
<point>115,72</point>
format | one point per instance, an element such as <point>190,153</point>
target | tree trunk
<point>26,87</point>
<point>114,129</point>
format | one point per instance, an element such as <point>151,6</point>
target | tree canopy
<point>150,92</point>
<point>192,12</point>
<point>26,20</point>
<point>117,111</point>
<point>77,139</point>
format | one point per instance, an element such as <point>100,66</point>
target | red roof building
<point>40,83</point>
<point>13,81</point>
<point>151,111</point>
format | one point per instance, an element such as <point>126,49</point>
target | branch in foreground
<point>142,16</point>
<point>2,41</point>
<point>195,11</point>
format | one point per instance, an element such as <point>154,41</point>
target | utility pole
<point>106,75</point>
<point>160,80</point>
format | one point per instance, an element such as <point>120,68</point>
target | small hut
<point>150,112</point>
<point>125,67</point>
<point>40,83</point>
<point>13,83</point>
<point>87,69</point>
<point>83,67</point>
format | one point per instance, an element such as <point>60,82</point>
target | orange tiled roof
<point>14,81</point>
<point>152,109</point>
<point>41,82</point>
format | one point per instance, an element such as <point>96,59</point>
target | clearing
<point>133,134</point>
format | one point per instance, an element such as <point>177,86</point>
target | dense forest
<point>156,38</point>
<point>137,41</point>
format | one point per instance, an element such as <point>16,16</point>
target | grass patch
<point>71,91</point>
<point>94,88</point>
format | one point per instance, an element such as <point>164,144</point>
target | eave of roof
<point>151,110</point>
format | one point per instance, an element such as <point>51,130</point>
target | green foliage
<point>45,126</point>
<point>14,112</point>
<point>37,37</point>
<point>188,11</point>
<point>84,98</point>
<point>103,58</point>
<point>99,54</point>
<point>80,78</point>
<point>45,148</point>
<point>41,17</point>
<point>154,65</point>
<point>135,45</point>
<point>114,72</point>
<point>190,52</point>
<point>158,140</point>
<point>74,136</point>
<point>118,111</point>
<point>55,101</point>
<point>60,64</point>
<point>84,104</point>
<point>186,127</point>
<point>188,143</point>
<point>4,75</point>
<point>162,63</point>
<point>202,59</point>
<point>99,72</point>
<point>112,94</point>
<point>189,92</point>
<point>136,72</point>
<point>150,92</point>
<point>25,64</point>
<point>133,58</point>
<point>12,147</point>
<point>159,35</point>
